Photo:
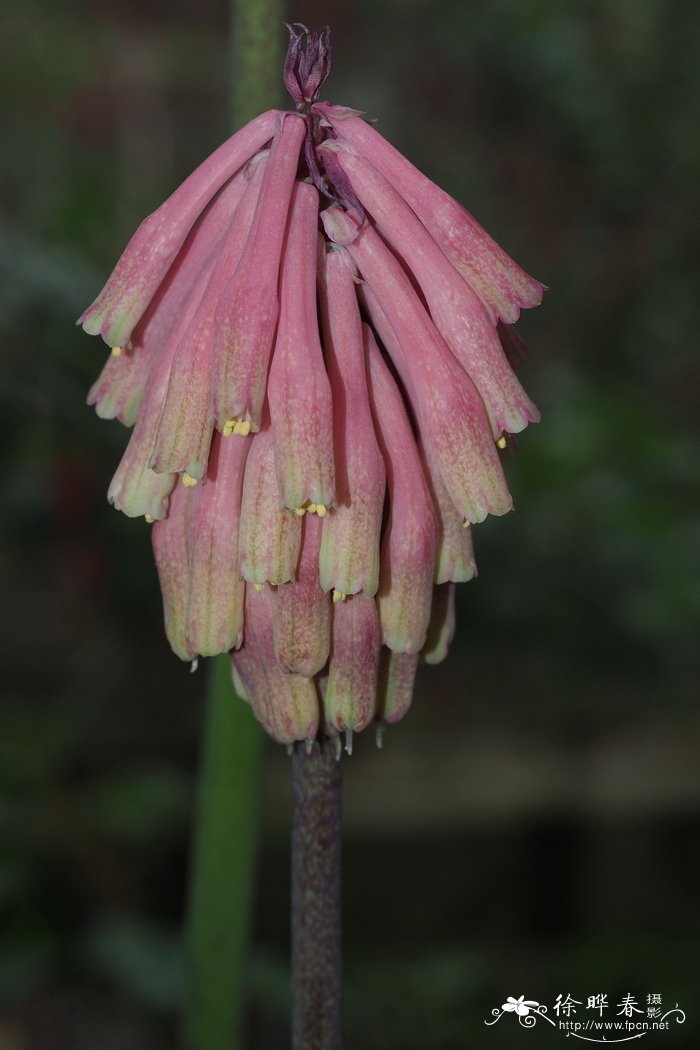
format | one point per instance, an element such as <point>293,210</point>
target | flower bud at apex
<point>327,478</point>
<point>308,63</point>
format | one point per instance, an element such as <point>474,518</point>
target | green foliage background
<point>532,827</point>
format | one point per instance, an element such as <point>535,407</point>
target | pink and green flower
<point>312,342</point>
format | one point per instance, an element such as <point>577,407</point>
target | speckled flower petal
<point>248,310</point>
<point>351,531</point>
<point>456,310</point>
<point>303,620</point>
<point>299,391</point>
<point>449,411</point>
<point>117,392</point>
<point>351,695</point>
<point>500,283</point>
<point>270,534</point>
<point>215,611</point>
<point>397,672</point>
<point>155,245</point>
<point>409,545</point>
<point>186,424</point>
<point>135,488</point>
<point>287,705</point>
<point>171,550</point>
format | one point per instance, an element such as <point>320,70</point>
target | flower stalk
<point>316,927</point>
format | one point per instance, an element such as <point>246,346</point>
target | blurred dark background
<point>532,826</point>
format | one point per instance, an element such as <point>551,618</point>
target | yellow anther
<point>116,351</point>
<point>311,508</point>
<point>466,523</point>
<point>259,587</point>
<point>501,442</point>
<point>149,519</point>
<point>338,596</point>
<point>188,481</point>
<point>236,426</point>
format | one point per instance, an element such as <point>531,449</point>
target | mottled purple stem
<point>316,928</point>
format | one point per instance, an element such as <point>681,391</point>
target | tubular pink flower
<point>457,312</point>
<point>442,624</point>
<point>119,389</point>
<point>351,531</point>
<point>153,248</point>
<point>409,547</point>
<point>455,550</point>
<point>351,694</point>
<point>450,413</point>
<point>455,553</point>
<point>298,388</point>
<point>186,425</point>
<point>349,459</point>
<point>270,538</point>
<point>201,249</point>
<point>286,704</point>
<point>303,620</point>
<point>171,549</point>
<point>216,587</point>
<point>247,315</point>
<point>136,489</point>
<point>397,672</point>
<point>500,283</point>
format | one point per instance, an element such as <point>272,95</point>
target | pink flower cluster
<point>308,338</point>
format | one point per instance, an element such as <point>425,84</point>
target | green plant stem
<point>258,42</point>
<point>224,852</point>
<point>316,926</point>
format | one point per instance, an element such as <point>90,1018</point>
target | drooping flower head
<point>311,341</point>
